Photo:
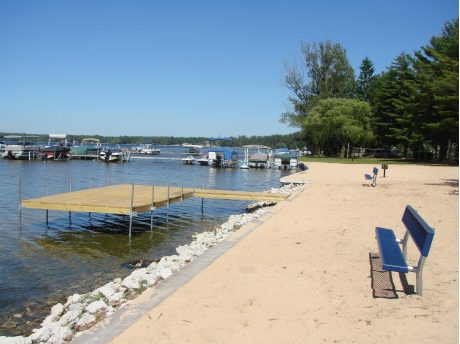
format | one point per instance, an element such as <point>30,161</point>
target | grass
<point>369,161</point>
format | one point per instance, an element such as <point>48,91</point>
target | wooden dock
<point>117,199</point>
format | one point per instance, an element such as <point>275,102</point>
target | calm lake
<point>42,264</point>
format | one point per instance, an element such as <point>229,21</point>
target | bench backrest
<point>375,171</point>
<point>421,233</point>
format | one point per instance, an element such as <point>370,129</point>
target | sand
<point>305,273</point>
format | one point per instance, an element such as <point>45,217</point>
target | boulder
<point>165,273</point>
<point>72,299</point>
<point>108,290</point>
<point>131,282</point>
<point>15,340</point>
<point>44,333</point>
<point>69,317</point>
<point>86,321</point>
<point>57,309</point>
<point>96,306</point>
<point>139,271</point>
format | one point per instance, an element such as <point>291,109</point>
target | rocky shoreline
<point>81,312</point>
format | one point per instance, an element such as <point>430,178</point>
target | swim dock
<point>131,199</point>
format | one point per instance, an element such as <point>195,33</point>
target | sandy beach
<point>305,272</point>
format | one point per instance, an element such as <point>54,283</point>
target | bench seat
<point>390,252</point>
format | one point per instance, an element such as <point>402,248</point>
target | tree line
<point>412,106</point>
<point>291,141</point>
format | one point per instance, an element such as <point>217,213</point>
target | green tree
<point>366,78</point>
<point>437,76</point>
<point>340,120</point>
<point>324,73</point>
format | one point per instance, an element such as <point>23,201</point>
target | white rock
<point>44,333</point>
<point>57,309</point>
<point>108,289</point>
<point>50,319</point>
<point>69,317</point>
<point>96,306</point>
<point>131,282</point>
<point>139,271</point>
<point>72,299</point>
<point>165,273</point>
<point>116,297</point>
<point>186,257</point>
<point>152,266</point>
<point>181,249</point>
<point>62,335</point>
<point>117,280</point>
<point>86,320</point>
<point>15,340</point>
<point>76,307</point>
<point>151,279</point>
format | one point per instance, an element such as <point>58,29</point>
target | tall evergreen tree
<point>365,80</point>
<point>437,75</point>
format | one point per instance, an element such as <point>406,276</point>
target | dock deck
<point>116,199</point>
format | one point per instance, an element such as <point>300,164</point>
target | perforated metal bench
<point>393,258</point>
<point>375,172</point>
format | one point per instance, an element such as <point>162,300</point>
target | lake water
<point>42,264</point>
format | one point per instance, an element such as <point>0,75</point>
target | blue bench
<point>375,172</point>
<point>393,258</point>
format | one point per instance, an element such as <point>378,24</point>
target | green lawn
<point>370,161</point>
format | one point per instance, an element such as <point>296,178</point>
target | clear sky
<point>183,68</point>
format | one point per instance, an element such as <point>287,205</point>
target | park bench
<point>393,258</point>
<point>375,172</point>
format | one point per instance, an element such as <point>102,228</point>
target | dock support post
<point>131,212</point>
<point>152,209</point>
<point>181,196</point>
<point>202,200</point>
<point>70,190</point>
<point>167,205</point>
<point>20,199</point>
<point>47,189</point>
<point>193,198</point>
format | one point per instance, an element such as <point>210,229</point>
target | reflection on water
<point>42,264</point>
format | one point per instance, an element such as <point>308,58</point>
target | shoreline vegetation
<point>81,312</point>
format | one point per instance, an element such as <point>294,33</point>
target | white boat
<point>112,155</point>
<point>204,160</point>
<point>189,160</point>
<point>20,147</point>
<point>149,149</point>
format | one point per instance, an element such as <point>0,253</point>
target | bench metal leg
<point>419,286</point>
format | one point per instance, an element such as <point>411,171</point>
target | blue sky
<point>183,68</point>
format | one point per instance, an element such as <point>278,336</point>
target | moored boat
<point>112,155</point>
<point>222,156</point>
<point>189,160</point>
<point>89,148</point>
<point>204,160</point>
<point>20,147</point>
<point>55,150</point>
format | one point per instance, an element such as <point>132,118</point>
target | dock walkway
<point>116,199</point>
